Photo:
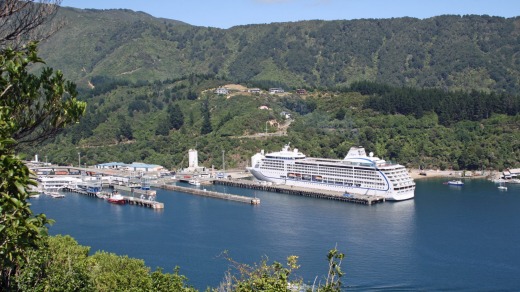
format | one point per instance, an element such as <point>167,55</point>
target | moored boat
<point>357,173</point>
<point>455,183</point>
<point>56,195</point>
<point>502,186</point>
<point>116,199</point>
<point>194,182</point>
<point>103,195</point>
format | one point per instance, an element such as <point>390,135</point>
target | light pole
<point>79,159</point>
<point>223,161</point>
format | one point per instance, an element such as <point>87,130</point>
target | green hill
<point>453,52</point>
<point>450,99</point>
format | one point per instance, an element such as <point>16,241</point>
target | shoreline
<point>431,173</point>
<point>414,173</point>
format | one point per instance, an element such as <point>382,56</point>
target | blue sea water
<point>447,238</point>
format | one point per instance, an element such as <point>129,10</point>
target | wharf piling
<point>211,194</point>
<point>299,191</point>
<point>143,202</point>
<point>78,191</point>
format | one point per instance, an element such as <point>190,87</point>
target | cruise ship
<point>358,173</point>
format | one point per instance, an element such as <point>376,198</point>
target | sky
<point>228,13</point>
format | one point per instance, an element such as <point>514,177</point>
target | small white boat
<point>194,182</point>
<point>102,195</point>
<point>56,195</point>
<point>455,183</point>
<point>502,187</point>
<point>37,195</point>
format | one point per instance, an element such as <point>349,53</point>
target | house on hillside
<point>511,173</point>
<point>301,91</point>
<point>222,90</point>
<point>254,90</point>
<point>263,107</point>
<point>276,90</point>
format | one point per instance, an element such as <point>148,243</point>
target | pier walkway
<point>306,192</point>
<point>211,194</point>
<point>135,191</point>
<point>142,201</point>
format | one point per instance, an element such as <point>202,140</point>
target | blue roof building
<point>134,166</point>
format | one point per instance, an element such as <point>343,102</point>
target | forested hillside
<point>449,52</point>
<point>437,93</point>
<point>158,122</point>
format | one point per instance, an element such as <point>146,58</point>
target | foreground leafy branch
<point>61,264</point>
<point>277,277</point>
<point>32,108</point>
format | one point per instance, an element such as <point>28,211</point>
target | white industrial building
<point>134,166</point>
<point>193,163</point>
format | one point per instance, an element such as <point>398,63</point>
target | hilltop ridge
<point>454,52</point>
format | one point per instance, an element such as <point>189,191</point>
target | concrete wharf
<point>142,201</point>
<point>211,194</point>
<point>306,192</point>
<point>135,191</point>
<point>139,197</point>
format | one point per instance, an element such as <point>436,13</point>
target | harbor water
<point>462,238</point>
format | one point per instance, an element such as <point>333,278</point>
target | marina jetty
<point>139,197</point>
<point>131,196</point>
<point>211,194</point>
<point>300,191</point>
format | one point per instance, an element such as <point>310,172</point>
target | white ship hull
<point>358,173</point>
<point>388,195</point>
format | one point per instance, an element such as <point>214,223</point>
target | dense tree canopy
<point>451,52</point>
<point>32,108</point>
<point>451,107</point>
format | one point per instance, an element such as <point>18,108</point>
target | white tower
<point>193,159</point>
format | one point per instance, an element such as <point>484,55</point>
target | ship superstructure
<point>358,173</point>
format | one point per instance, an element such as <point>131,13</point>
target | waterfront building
<point>134,166</point>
